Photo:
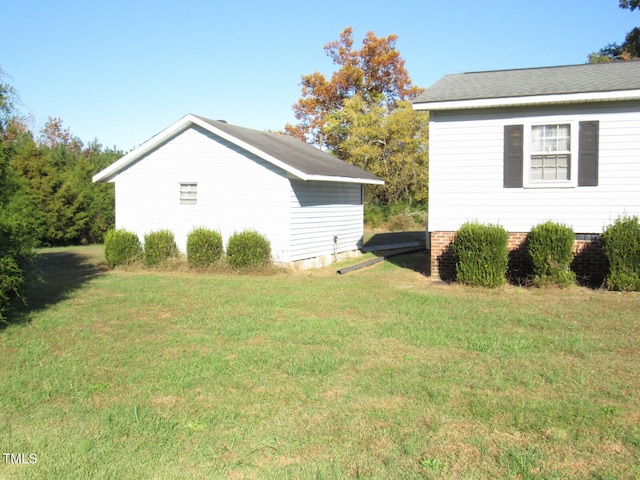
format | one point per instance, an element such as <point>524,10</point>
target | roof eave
<point>529,100</point>
<point>338,179</point>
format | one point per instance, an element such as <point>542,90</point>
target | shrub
<point>399,222</point>
<point>121,247</point>
<point>159,246</point>
<point>374,215</point>
<point>16,256</point>
<point>12,282</point>
<point>248,249</point>
<point>550,246</point>
<point>621,245</point>
<point>395,216</point>
<point>481,254</point>
<point>204,247</point>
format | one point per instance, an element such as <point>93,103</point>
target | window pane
<point>537,161</point>
<point>563,173</point>
<point>562,160</point>
<point>536,139</point>
<point>536,174</point>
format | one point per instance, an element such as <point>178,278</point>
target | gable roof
<point>530,86</point>
<point>297,158</point>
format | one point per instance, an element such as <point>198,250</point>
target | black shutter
<point>588,154</point>
<point>513,156</point>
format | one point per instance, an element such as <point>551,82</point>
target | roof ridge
<point>548,67</point>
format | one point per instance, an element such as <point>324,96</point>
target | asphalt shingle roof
<point>293,152</point>
<point>294,156</point>
<point>586,78</point>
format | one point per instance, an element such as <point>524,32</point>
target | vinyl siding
<point>236,191</point>
<point>466,170</point>
<point>320,211</point>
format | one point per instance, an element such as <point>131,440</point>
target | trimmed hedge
<point>159,246</point>
<point>248,249</point>
<point>621,245</point>
<point>204,247</point>
<point>481,254</point>
<point>550,246</point>
<point>121,247</point>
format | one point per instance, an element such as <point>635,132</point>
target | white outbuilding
<point>207,173</point>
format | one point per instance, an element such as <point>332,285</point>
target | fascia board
<point>530,100</point>
<point>327,178</point>
<point>112,170</point>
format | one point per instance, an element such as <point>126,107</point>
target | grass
<point>376,374</point>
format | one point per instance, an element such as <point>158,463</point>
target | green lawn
<point>379,374</point>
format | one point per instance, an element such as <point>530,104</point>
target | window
<point>549,155</point>
<point>550,150</point>
<point>188,193</point>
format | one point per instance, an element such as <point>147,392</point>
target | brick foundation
<point>589,263</point>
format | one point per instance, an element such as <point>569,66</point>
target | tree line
<point>47,197</point>
<point>48,184</point>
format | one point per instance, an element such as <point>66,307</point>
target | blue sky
<point>121,71</point>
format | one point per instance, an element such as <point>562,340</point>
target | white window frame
<point>188,193</point>
<point>574,132</point>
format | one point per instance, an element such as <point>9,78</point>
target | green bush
<point>121,247</point>
<point>248,249</point>
<point>16,256</point>
<point>550,246</point>
<point>204,247</point>
<point>374,215</point>
<point>481,254</point>
<point>159,246</point>
<point>399,222</point>
<point>395,216</point>
<point>621,245</point>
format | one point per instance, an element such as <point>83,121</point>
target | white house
<point>520,147</point>
<point>201,172</point>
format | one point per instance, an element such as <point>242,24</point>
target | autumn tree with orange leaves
<point>376,72</point>
<point>363,115</point>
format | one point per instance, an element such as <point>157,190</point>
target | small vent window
<point>188,193</point>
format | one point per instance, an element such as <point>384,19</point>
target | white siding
<point>236,191</point>
<point>466,171</point>
<point>321,211</point>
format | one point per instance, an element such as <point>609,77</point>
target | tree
<point>376,72</point>
<point>16,232</point>
<point>630,4</point>
<point>69,209</point>
<point>7,103</point>
<point>630,48</point>
<point>389,144</point>
<point>363,116</point>
<point>53,134</point>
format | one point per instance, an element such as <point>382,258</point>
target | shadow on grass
<point>416,261</point>
<point>57,273</point>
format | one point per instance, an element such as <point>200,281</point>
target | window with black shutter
<point>549,155</point>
